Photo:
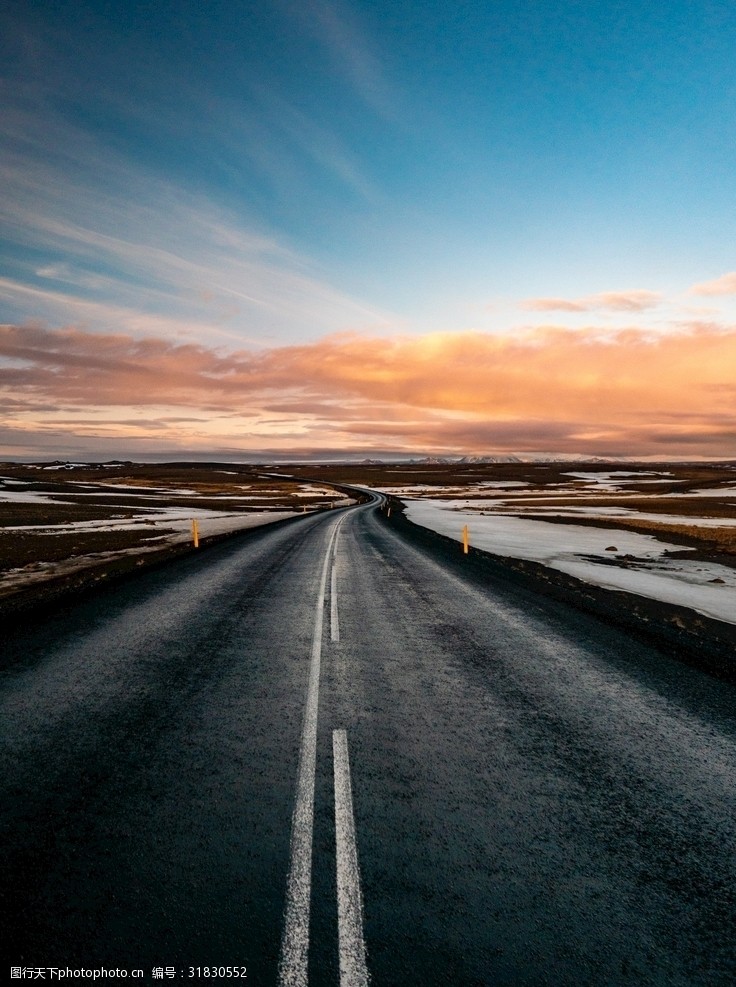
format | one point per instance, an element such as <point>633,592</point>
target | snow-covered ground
<point>580,485</point>
<point>159,524</point>
<point>602,512</point>
<point>614,480</point>
<point>9,491</point>
<point>146,509</point>
<point>177,529</point>
<point>473,488</point>
<point>712,492</point>
<point>174,519</point>
<point>587,553</point>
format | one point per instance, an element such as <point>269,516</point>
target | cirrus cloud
<point>614,301</point>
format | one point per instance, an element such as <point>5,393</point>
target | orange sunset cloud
<point>614,301</point>
<point>551,388</point>
<point>725,285</point>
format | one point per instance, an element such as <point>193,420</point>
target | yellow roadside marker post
<point>465,539</point>
<point>195,534</point>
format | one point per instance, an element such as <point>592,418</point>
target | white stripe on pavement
<point>353,969</point>
<point>334,618</point>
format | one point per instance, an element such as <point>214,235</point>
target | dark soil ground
<point>67,494</point>
<point>715,544</point>
<point>72,494</point>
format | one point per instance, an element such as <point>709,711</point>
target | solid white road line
<point>295,939</point>
<point>353,969</point>
<point>334,619</point>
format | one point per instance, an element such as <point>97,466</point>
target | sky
<point>340,228</point>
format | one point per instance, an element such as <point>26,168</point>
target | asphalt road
<point>322,755</point>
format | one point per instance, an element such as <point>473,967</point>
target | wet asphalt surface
<point>538,798</point>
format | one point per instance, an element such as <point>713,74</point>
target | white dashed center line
<point>334,619</point>
<point>295,939</point>
<point>353,969</point>
<point>293,964</point>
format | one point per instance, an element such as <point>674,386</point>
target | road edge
<point>53,593</point>
<point>686,635</point>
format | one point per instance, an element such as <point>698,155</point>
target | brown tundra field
<point>66,526</point>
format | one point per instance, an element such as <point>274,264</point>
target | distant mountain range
<point>479,460</point>
<point>489,459</point>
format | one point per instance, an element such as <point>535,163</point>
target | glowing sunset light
<point>463,391</point>
<point>344,228</point>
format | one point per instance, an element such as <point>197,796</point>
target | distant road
<point>317,754</point>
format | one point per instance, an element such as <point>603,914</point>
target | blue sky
<point>236,175</point>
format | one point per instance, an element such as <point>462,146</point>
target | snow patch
<point>584,552</point>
